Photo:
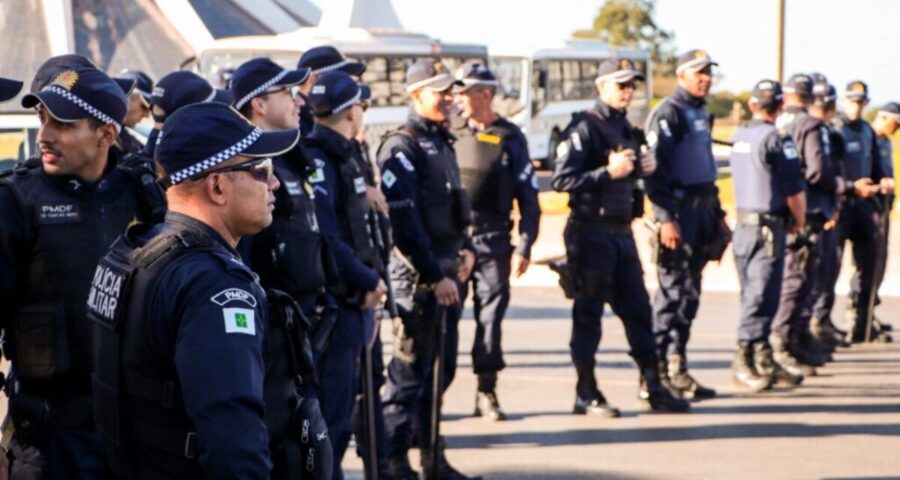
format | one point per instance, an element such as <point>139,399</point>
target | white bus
<point>540,88</point>
<point>386,53</point>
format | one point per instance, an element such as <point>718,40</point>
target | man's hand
<point>887,185</point>
<point>466,264</point>
<point>670,235</point>
<point>519,265</point>
<point>446,292</point>
<point>648,164</point>
<point>376,199</point>
<point>865,188</point>
<point>840,185</point>
<point>621,164</point>
<point>373,297</point>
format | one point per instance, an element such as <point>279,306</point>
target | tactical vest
<point>857,149</point>
<point>613,202</point>
<point>50,343</point>
<point>886,154</point>
<point>138,403</point>
<point>692,161</point>
<point>818,201</point>
<point>447,209</point>
<point>485,171</point>
<point>290,254</point>
<point>757,188</point>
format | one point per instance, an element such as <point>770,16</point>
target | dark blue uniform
<point>769,169</point>
<point>682,190</point>
<point>599,241</point>
<point>54,229</point>
<point>886,156</point>
<point>812,140</point>
<point>496,170</point>
<point>340,192</point>
<point>429,216</point>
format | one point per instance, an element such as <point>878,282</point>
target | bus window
<point>588,76</point>
<point>509,99</point>
<point>571,80</point>
<point>539,81</point>
<point>554,81</point>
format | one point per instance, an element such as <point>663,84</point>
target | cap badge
<point>700,54</point>
<point>66,79</point>
<point>858,87</point>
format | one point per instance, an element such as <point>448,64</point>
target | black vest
<point>692,161</point>
<point>858,145</point>
<point>798,123</point>
<point>71,228</point>
<point>614,201</point>
<point>757,188</point>
<point>485,171</point>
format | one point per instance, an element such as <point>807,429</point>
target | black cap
<point>619,70</point>
<point>857,90</point>
<point>255,76</point>
<point>179,89</point>
<point>799,84</point>
<point>475,73</point>
<point>824,94</point>
<point>143,84</point>
<point>326,58</point>
<point>54,65</point>
<point>892,110</point>
<point>199,137</point>
<point>9,89</point>
<point>429,73</point>
<point>694,60</point>
<point>818,77</point>
<point>767,93</point>
<point>335,92</point>
<point>81,93</point>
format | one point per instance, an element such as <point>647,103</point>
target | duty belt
<point>759,218</point>
<point>502,226</point>
<point>604,226</point>
<point>707,200</point>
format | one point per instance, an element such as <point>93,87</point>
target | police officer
<point>770,201</point>
<point>432,261</point>
<point>496,169</point>
<point>138,109</point>
<point>338,103</point>
<point>169,302</point>
<point>319,60</point>
<point>796,350</point>
<point>886,122</point>
<point>692,228</point>
<point>59,215</point>
<point>824,108</point>
<point>858,218</point>
<point>598,165</point>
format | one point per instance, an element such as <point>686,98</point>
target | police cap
<point>694,60</point>
<point>335,92</point>
<point>179,89</point>
<point>891,110</point>
<point>199,137</point>
<point>143,84</point>
<point>824,94</point>
<point>254,77</point>
<point>767,93</point>
<point>9,89</point>
<point>54,65</point>
<point>475,73</point>
<point>81,93</point>
<point>326,58</point>
<point>857,90</point>
<point>799,84</point>
<point>429,73</point>
<point>619,70</point>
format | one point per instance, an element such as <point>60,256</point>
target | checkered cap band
<point>259,90</point>
<point>340,108</point>
<point>87,107</point>
<point>200,167</point>
<point>331,67</point>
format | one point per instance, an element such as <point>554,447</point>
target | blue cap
<point>9,89</point>
<point>179,89</point>
<point>475,73</point>
<point>619,70</point>
<point>199,137</point>
<point>892,110</point>
<point>857,90</point>
<point>143,84</point>
<point>55,65</point>
<point>81,93</point>
<point>818,77</point>
<point>799,84</point>
<point>767,93</point>
<point>255,76</point>
<point>335,92</point>
<point>824,94</point>
<point>325,59</point>
<point>429,73</point>
<point>694,60</point>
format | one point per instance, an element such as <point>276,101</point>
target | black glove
<point>315,447</point>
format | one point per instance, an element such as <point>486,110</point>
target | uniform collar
<point>688,98</point>
<point>181,223</point>
<point>855,124</point>
<point>426,125</point>
<point>795,109</point>
<point>755,122</point>
<point>334,144</point>
<point>76,186</point>
<point>608,112</point>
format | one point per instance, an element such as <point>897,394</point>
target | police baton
<point>371,458</point>
<point>879,251</point>
<point>437,391</point>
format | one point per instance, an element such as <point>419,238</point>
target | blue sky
<point>843,39</point>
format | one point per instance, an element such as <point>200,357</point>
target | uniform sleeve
<point>400,185</point>
<point>784,158</point>
<point>329,191</point>
<point>663,134</point>
<point>219,362</point>
<point>573,173</point>
<point>13,249</point>
<point>878,171</point>
<point>815,151</point>
<point>526,193</point>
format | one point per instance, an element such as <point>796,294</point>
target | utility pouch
<point>41,342</point>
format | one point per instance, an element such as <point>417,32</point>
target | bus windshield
<point>510,99</point>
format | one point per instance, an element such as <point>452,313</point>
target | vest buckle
<point>190,445</point>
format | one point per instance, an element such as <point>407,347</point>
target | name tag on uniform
<point>58,213</point>
<point>428,146</point>
<point>701,125</point>
<point>359,184</point>
<point>853,147</point>
<point>293,188</point>
<point>487,138</point>
<point>790,151</point>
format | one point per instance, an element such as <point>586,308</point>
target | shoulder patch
<point>488,138</point>
<point>319,175</point>
<point>240,320</point>
<point>576,141</point>
<point>234,295</point>
<point>388,178</point>
<point>562,149</point>
<point>664,127</point>
<point>652,138</point>
<point>790,151</point>
<point>402,158</point>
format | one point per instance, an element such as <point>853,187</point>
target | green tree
<point>630,23</point>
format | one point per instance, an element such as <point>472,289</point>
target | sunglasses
<point>363,105</point>
<point>261,170</point>
<point>627,86</point>
<point>292,90</point>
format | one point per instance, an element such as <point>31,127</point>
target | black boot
<point>783,357</point>
<point>596,406</point>
<point>486,404</point>
<point>765,365</point>
<point>657,396</point>
<point>445,470</point>
<point>400,469</point>
<point>809,350</point>
<point>827,333</point>
<point>682,381</point>
<point>744,373</point>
